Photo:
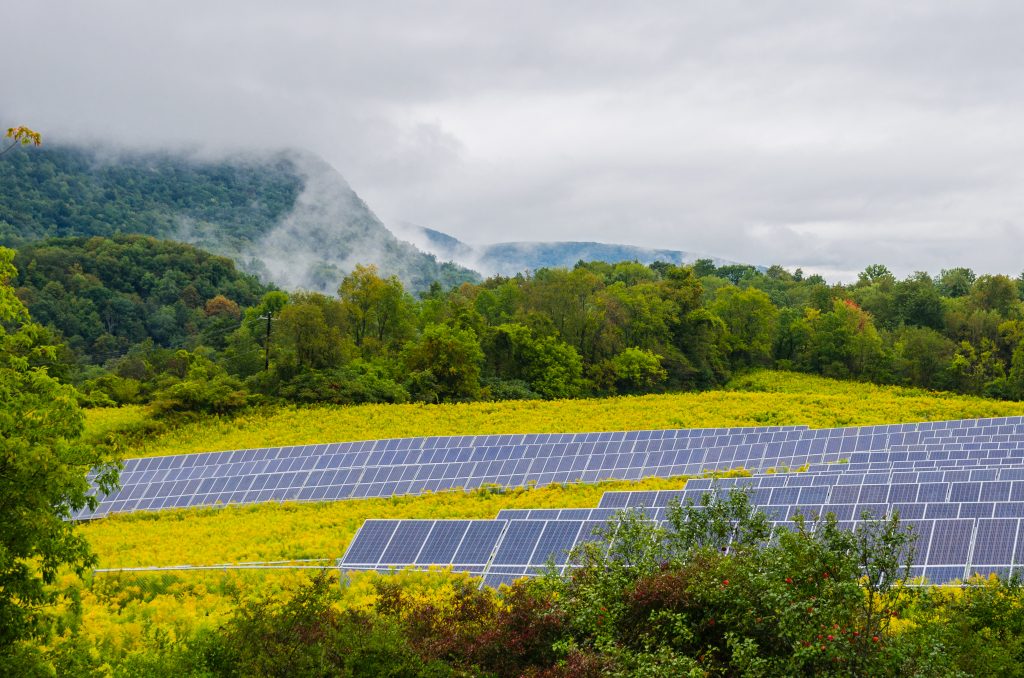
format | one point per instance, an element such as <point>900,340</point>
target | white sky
<point>822,135</point>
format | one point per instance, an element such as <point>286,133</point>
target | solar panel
<point>415,465</point>
<point>946,549</point>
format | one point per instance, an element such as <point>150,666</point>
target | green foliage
<point>634,370</point>
<point>444,364</point>
<point>376,312</point>
<point>797,605</point>
<point>751,319</point>
<point>355,383</point>
<point>205,388</point>
<point>548,366</point>
<point>42,474</point>
<point>61,191</point>
<point>307,636</point>
<point>105,295</point>
<point>597,329</point>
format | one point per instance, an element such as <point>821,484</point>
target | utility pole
<point>266,349</point>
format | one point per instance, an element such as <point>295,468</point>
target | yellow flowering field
<point>125,612</point>
<point>758,399</point>
<point>295,531</point>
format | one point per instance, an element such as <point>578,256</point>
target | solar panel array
<point>959,484</point>
<point>384,468</point>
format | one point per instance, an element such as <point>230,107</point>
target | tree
<point>631,371</point>
<point>922,355</point>
<point>1015,381</point>
<point>306,338</point>
<point>973,367</point>
<point>752,322</point>
<point>444,364</point>
<point>43,466</point>
<point>919,302</point>
<point>956,282</point>
<point>549,366</point>
<point>996,293</point>
<point>842,342</point>
<point>875,274</point>
<point>376,310</point>
<point>21,136</point>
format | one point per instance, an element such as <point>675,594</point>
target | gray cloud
<point>803,133</point>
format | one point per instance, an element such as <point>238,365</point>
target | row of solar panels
<point>417,465</point>
<point>800,441</point>
<point>501,550</point>
<point>964,500</point>
<point>787,512</point>
<point>977,485</point>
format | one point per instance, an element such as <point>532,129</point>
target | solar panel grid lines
<point>947,549</point>
<point>412,466</point>
<point>473,546</point>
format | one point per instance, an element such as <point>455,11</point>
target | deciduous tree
<point>43,466</point>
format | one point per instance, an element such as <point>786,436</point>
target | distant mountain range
<point>510,258</point>
<point>289,217</point>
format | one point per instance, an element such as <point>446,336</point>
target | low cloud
<point>809,134</point>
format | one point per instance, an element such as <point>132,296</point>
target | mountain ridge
<point>510,258</point>
<point>288,216</point>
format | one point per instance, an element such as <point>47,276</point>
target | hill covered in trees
<point>288,217</point>
<point>138,314</point>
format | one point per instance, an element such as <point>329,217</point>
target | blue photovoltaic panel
<point>951,542</point>
<point>370,542</point>
<point>945,550</point>
<point>406,542</point>
<point>381,468</point>
<point>444,540</point>
<point>995,541</point>
<point>556,541</point>
<point>479,542</point>
<point>519,542</point>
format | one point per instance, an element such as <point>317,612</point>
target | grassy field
<point>294,531</point>
<point>761,398</point>
<point>322,530</point>
<point>130,611</point>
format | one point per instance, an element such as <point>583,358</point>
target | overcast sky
<point>800,133</point>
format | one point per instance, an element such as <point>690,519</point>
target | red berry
<point>831,637</point>
<point>789,580</point>
<point>725,582</point>
<point>874,638</point>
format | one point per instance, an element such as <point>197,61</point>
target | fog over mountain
<point>288,216</point>
<point>510,258</point>
<point>823,135</point>
<point>330,230</point>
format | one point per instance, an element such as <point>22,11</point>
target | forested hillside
<point>65,191</point>
<point>288,217</point>
<point>105,295</point>
<point>144,318</point>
